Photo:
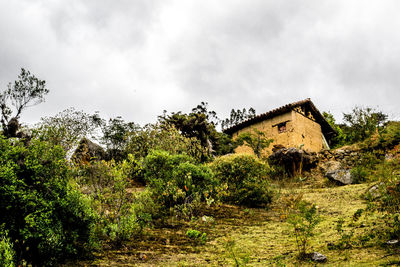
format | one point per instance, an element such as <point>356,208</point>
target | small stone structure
<point>298,125</point>
<point>336,165</point>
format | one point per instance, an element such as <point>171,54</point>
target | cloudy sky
<point>136,58</point>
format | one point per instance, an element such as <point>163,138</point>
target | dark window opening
<point>282,127</point>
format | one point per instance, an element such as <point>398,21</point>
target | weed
<point>359,174</point>
<point>304,220</point>
<point>239,258</point>
<point>197,236</point>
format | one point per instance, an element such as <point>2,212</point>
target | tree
<point>211,115</point>
<point>255,139</point>
<point>68,128</point>
<point>199,124</point>
<point>115,136</point>
<point>340,138</point>
<point>362,123</point>
<point>166,138</point>
<point>238,116</point>
<point>25,92</point>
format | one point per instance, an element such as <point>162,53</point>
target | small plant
<point>239,258</point>
<point>359,174</point>
<point>304,219</point>
<point>197,236</point>
<point>289,204</point>
<point>7,253</point>
<point>345,240</point>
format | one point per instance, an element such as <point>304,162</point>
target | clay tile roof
<point>328,131</point>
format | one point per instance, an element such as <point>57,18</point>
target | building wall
<point>300,130</point>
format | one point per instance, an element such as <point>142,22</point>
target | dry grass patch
<point>261,237</point>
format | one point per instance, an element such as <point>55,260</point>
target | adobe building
<point>298,124</point>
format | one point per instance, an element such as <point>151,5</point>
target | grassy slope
<point>259,234</point>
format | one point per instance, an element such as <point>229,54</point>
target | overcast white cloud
<point>135,58</point>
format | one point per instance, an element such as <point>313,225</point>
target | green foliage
<point>304,219</point>
<point>7,253</point>
<point>122,216</point>
<point>67,128</point>
<point>115,136</point>
<point>385,139</point>
<point>255,139</point>
<point>197,236</point>
<point>359,174</point>
<point>238,116</point>
<point>245,177</point>
<point>346,237</point>
<point>177,182</point>
<point>239,257</point>
<point>26,91</point>
<point>362,123</point>
<point>384,197</point>
<point>166,138</point>
<point>200,124</point>
<point>340,138</point>
<point>388,203</point>
<point>46,218</point>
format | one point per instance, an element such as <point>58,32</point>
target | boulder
<point>318,257</point>
<point>334,171</point>
<point>330,166</point>
<point>392,242</point>
<point>341,176</point>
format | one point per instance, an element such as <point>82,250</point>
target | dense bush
<point>176,182</point>
<point>362,123</point>
<point>166,138</point>
<point>121,216</point>
<point>384,197</point>
<point>245,177</point>
<point>385,139</point>
<point>46,218</point>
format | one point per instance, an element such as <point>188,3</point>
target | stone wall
<point>347,156</point>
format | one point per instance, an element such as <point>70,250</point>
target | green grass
<point>260,236</point>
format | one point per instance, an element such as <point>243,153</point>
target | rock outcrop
<point>88,151</point>
<point>335,171</point>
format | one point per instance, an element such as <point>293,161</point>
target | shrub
<point>197,236</point>
<point>122,214</point>
<point>388,203</point>
<point>245,177</point>
<point>387,138</point>
<point>304,220</point>
<point>166,137</point>
<point>359,174</point>
<point>7,253</point>
<point>159,166</point>
<point>178,183</point>
<point>46,218</point>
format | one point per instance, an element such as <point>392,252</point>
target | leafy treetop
<point>25,92</point>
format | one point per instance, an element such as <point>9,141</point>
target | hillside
<point>259,235</point>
